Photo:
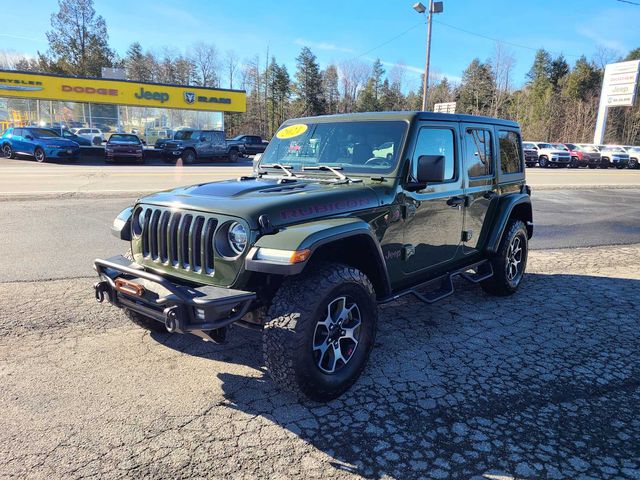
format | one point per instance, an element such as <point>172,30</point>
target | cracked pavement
<point>544,384</point>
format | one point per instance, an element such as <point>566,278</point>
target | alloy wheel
<point>336,338</point>
<point>514,258</point>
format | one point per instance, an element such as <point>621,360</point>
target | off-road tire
<point>499,284</point>
<point>288,336</point>
<point>189,157</point>
<point>145,322</point>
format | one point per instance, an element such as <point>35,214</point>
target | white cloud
<point>322,45</point>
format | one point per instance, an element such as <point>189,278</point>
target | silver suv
<point>616,156</point>
<point>549,155</point>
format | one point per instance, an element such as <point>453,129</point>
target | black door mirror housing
<point>430,169</point>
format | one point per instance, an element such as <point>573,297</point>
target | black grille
<point>182,240</point>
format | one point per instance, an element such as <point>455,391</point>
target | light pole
<point>434,7</point>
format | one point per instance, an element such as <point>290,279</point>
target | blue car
<point>40,143</point>
<point>69,135</point>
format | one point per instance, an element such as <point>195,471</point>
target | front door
<point>434,216</point>
<point>479,171</point>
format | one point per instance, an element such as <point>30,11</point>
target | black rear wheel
<point>510,261</point>
<point>543,162</point>
<point>233,156</point>
<point>189,157</point>
<point>322,327</point>
<point>7,151</point>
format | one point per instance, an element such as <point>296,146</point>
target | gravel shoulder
<point>543,384</point>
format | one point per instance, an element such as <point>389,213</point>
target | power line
<point>390,40</point>
<point>629,2</point>
<point>469,32</point>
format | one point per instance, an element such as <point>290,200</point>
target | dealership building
<point>150,109</point>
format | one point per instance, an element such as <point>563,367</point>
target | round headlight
<point>237,237</point>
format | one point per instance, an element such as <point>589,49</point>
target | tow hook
<point>101,288</point>
<point>174,322</point>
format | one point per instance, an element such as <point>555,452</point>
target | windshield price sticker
<point>292,131</point>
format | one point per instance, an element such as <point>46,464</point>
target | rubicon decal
<point>325,208</point>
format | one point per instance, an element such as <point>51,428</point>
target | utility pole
<point>434,7</point>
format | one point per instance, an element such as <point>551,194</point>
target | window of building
<point>510,161</point>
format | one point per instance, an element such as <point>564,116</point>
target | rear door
<point>479,164</point>
<point>18,142</point>
<point>220,144</point>
<point>434,216</point>
<point>205,144</point>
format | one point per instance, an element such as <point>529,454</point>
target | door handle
<point>456,201</point>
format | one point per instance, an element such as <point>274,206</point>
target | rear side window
<point>510,161</point>
<point>436,141</point>
<point>479,152</point>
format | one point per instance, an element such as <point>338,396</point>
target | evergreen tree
<point>476,90</point>
<point>330,89</point>
<point>310,100</point>
<point>138,65</point>
<point>583,81</point>
<point>541,68</point>
<point>78,40</point>
<point>559,69</point>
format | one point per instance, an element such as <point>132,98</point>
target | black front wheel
<point>7,151</point>
<point>233,156</point>
<point>321,330</point>
<point>189,157</point>
<point>39,155</point>
<point>543,162</point>
<point>510,261</point>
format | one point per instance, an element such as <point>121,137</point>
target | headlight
<point>237,237</point>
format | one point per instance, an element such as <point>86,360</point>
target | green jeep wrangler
<point>342,213</point>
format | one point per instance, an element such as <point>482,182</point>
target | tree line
<point>558,101</point>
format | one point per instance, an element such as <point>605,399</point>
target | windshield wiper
<point>335,170</point>
<point>284,168</point>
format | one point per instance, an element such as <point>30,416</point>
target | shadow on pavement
<point>543,384</point>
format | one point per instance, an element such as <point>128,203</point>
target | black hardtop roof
<point>403,115</point>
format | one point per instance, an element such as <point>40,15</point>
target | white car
<point>93,134</point>
<point>634,156</point>
<point>613,155</point>
<point>549,155</point>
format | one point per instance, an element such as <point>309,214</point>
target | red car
<point>124,146</point>
<point>583,156</point>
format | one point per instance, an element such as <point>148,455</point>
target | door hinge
<point>408,251</point>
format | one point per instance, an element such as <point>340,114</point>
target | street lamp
<point>434,7</point>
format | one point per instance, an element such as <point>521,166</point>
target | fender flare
<point>312,236</point>
<point>501,217</point>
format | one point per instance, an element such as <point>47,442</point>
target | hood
<point>57,141</point>
<point>284,202</point>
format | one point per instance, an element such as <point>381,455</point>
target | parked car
<point>40,143</point>
<point>69,135</point>
<point>617,156</point>
<point>306,249</point>
<point>94,135</point>
<point>125,146</point>
<point>158,136</point>
<point>193,145</point>
<point>583,155</point>
<point>247,144</point>
<point>549,155</point>
<point>634,156</point>
<point>530,154</point>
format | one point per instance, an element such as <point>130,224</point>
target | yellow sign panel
<point>292,131</point>
<point>97,90</point>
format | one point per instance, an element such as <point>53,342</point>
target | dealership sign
<point>120,92</point>
<point>618,90</point>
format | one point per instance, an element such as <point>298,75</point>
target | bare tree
<point>232,62</point>
<point>502,63</point>
<point>604,55</point>
<point>206,61</point>
<point>353,75</point>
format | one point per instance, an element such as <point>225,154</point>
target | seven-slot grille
<point>182,240</point>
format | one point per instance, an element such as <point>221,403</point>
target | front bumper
<point>179,307</point>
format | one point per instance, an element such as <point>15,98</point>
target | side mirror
<point>203,139</point>
<point>28,137</point>
<point>430,170</point>
<point>256,161</point>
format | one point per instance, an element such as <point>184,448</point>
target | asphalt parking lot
<point>543,384</point>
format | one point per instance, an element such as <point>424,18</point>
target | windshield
<point>588,148</point>
<point>617,149</point>
<point>126,139</point>
<point>356,147</point>
<point>238,137</point>
<point>184,135</point>
<point>42,133</point>
<point>529,146</point>
<point>544,145</point>
<point>560,146</point>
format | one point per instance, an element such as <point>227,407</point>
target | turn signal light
<point>288,257</point>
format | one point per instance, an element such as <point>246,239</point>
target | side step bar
<point>474,273</point>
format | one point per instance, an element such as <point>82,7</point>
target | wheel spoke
<point>323,348</point>
<point>337,355</point>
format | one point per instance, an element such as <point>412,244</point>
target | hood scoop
<point>285,187</point>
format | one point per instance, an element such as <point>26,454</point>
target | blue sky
<point>340,30</point>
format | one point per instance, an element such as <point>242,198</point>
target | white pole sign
<point>618,90</point>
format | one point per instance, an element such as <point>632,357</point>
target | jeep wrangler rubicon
<point>342,213</point>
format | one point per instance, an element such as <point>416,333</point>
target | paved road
<point>20,177</point>
<point>538,385</point>
<point>58,238</point>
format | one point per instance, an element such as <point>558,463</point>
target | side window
<point>207,136</point>
<point>17,132</point>
<point>436,141</point>
<point>510,161</point>
<point>479,154</point>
